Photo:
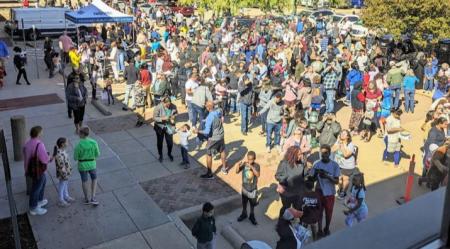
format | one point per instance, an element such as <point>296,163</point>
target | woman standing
<point>290,176</point>
<point>357,102</point>
<point>77,97</point>
<point>345,151</point>
<point>372,102</point>
<point>35,161</point>
<point>409,87</point>
<point>392,139</point>
<point>164,116</point>
<point>265,95</point>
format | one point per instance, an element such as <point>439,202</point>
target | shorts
<point>84,175</point>
<point>347,172</point>
<point>215,147</point>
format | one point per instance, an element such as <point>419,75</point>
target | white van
<point>47,22</point>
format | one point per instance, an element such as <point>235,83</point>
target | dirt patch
<point>186,189</point>
<point>24,102</point>
<point>26,234</point>
<point>113,124</point>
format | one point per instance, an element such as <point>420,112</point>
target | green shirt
<point>86,152</point>
<point>395,77</point>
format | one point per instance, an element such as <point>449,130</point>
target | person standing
<point>146,81</point>
<point>329,129</point>
<point>63,171</point>
<point>345,155</point>
<point>329,83</point>
<point>114,58</point>
<point>131,75</point>
<point>216,139</point>
<point>246,94</point>
<point>290,176</point>
<point>394,78</point>
<point>77,98</point>
<point>392,139</point>
<point>65,43</point>
<point>19,63</point>
<point>327,173</point>
<point>35,161</point>
<point>250,173</point>
<point>204,229</point>
<point>409,88</point>
<point>274,116</point>
<point>86,153</point>
<point>164,115</point>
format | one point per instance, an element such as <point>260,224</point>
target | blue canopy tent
<point>97,12</point>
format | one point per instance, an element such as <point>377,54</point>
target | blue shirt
<point>332,168</point>
<point>363,209</point>
<point>300,26</point>
<point>409,82</point>
<point>209,121</point>
<point>354,76</point>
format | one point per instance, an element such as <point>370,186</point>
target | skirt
<point>355,119</point>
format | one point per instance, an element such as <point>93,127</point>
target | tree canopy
<point>417,17</point>
<point>235,5</point>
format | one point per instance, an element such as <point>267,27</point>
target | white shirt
<point>190,84</point>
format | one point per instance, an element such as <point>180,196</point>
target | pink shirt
<point>291,141</point>
<point>29,149</point>
<point>291,87</point>
<point>66,42</point>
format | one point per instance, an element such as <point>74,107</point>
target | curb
<point>100,107</point>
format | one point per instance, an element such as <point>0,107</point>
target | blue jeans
<point>263,118</point>
<point>386,153</point>
<point>395,100</point>
<point>233,105</point>
<point>428,84</point>
<point>359,216</point>
<point>329,102</point>
<point>275,128</point>
<point>245,116</point>
<point>349,93</point>
<point>409,100</point>
<point>198,115</point>
<point>129,89</point>
<point>184,154</point>
<point>37,191</point>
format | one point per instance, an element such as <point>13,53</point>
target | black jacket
<point>73,99</point>
<point>204,229</point>
<point>19,61</point>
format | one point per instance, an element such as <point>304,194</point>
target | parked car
<point>358,31</point>
<point>315,14</point>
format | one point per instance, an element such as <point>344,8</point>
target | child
<point>204,228</point>
<point>184,133</point>
<point>250,173</point>
<point>63,171</point>
<point>93,80</point>
<point>311,205</point>
<point>356,204</point>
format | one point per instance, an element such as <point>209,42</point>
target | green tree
<point>219,6</point>
<point>418,17</point>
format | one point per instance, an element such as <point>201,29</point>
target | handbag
<point>35,167</point>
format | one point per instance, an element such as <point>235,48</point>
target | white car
<point>358,31</point>
<point>315,14</point>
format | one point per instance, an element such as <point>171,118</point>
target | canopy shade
<point>97,12</point>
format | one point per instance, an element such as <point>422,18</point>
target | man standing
<point>274,118</point>
<point>190,86</point>
<point>245,89</point>
<point>329,129</point>
<point>394,79</point>
<point>327,173</point>
<point>216,142</point>
<point>329,82</point>
<point>131,75</point>
<point>164,116</point>
<point>86,153</point>
<point>65,43</point>
<point>200,96</point>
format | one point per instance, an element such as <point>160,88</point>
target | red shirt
<point>146,77</point>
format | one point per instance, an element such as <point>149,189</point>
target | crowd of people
<point>285,75</point>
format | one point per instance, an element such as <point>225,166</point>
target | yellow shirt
<point>75,58</point>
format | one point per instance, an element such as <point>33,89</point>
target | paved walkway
<point>128,217</point>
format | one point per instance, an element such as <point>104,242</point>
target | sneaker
<point>224,171</point>
<point>170,158</point>
<point>242,217</point>
<point>182,164</point>
<point>268,149</point>
<point>42,203</point>
<point>38,211</point>
<point>94,201</point>
<point>207,176</point>
<point>70,199</point>
<point>160,159</point>
<point>63,204</point>
<point>278,148</point>
<point>326,232</point>
<point>187,166</point>
<point>86,202</point>
<point>320,234</point>
<point>341,195</point>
